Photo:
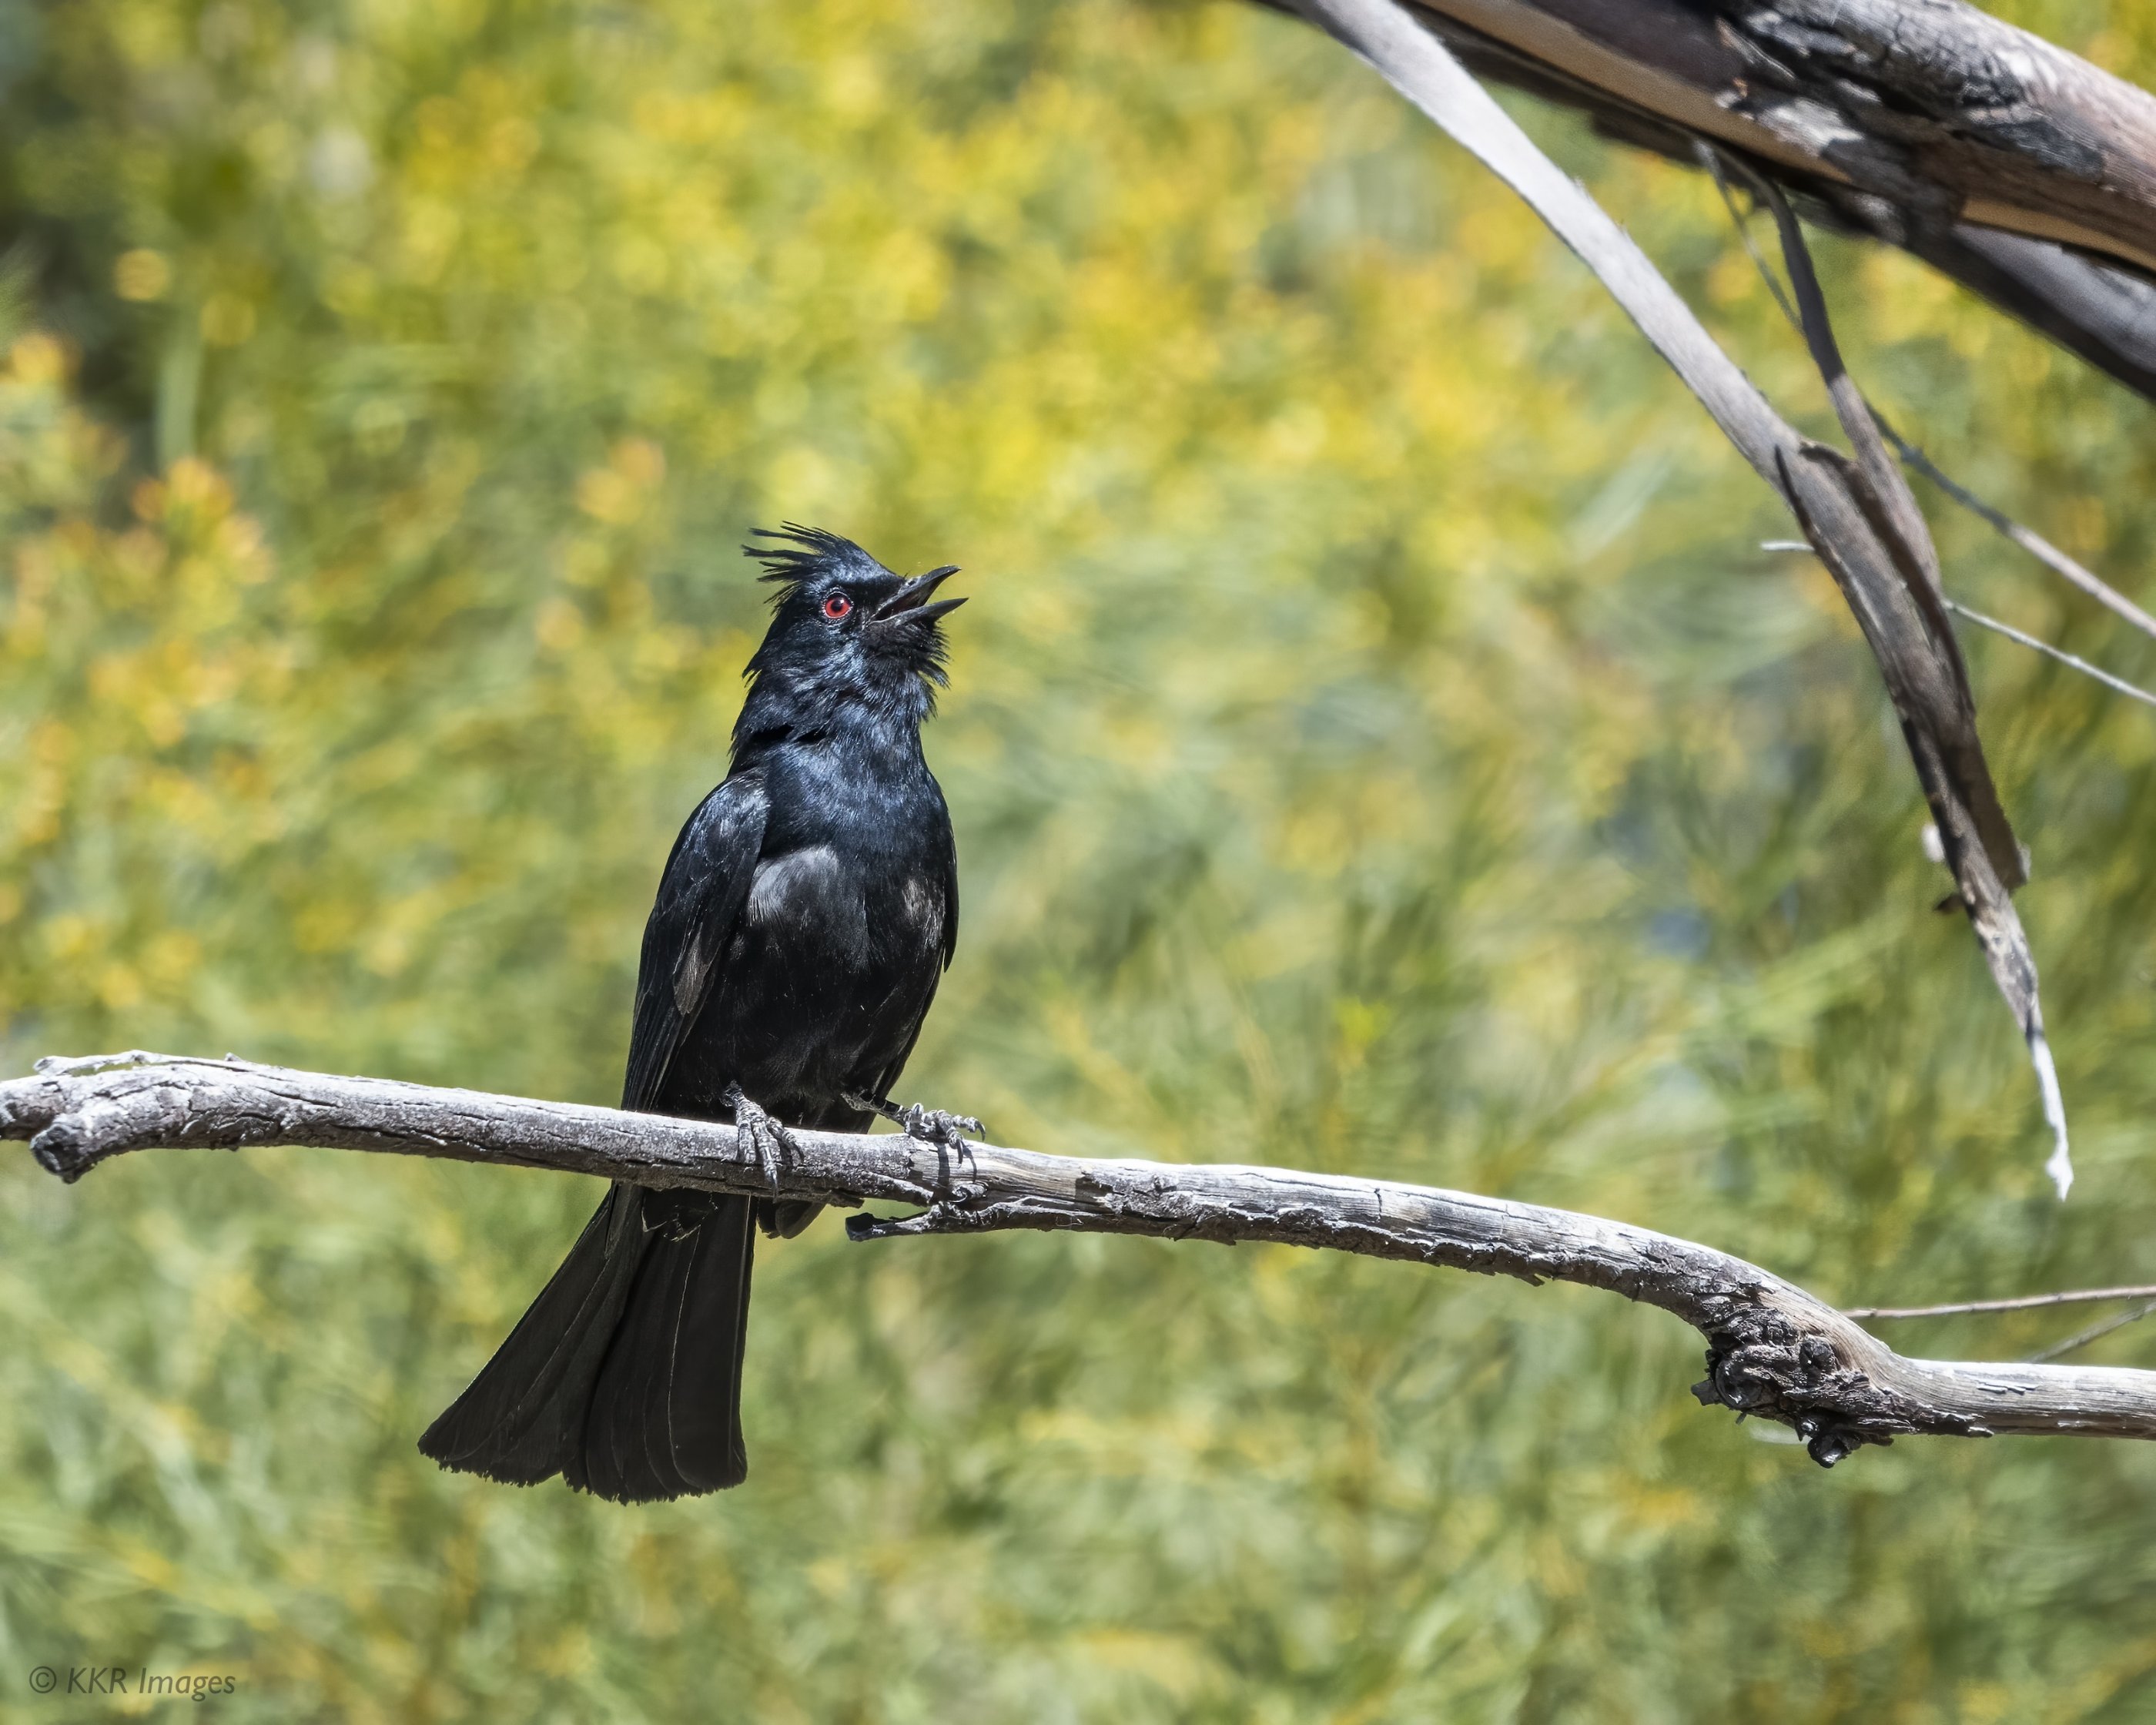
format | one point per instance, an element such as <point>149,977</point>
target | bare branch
<point>1774,1350</point>
<point>1931,105</point>
<point>2118,685</point>
<point>1988,876</point>
<point>1911,454</point>
<point>2005,161</point>
<point>2030,1302</point>
<point>1858,516</point>
<point>1718,165</point>
<point>2020,1302</point>
<point>1902,529</point>
<point>2081,1338</point>
<point>2038,548</point>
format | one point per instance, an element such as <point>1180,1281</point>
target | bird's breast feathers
<point>810,902</point>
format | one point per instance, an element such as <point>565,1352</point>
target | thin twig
<point>2033,543</point>
<point>2119,685</point>
<point>1714,161</point>
<point>2081,1338</point>
<point>2021,1302</point>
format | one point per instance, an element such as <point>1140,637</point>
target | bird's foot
<point>930,1125</point>
<point>935,1125</point>
<point>762,1139</point>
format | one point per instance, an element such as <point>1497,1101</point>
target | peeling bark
<point>2001,160</point>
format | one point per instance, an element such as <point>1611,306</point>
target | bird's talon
<point>766,1138</point>
<point>930,1125</point>
<point>937,1125</point>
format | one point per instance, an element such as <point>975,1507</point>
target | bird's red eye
<point>837,606</point>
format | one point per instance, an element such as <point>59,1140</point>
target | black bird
<point>806,912</point>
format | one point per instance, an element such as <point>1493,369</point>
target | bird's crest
<point>800,554</point>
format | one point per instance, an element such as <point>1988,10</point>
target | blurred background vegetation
<point>1378,743</point>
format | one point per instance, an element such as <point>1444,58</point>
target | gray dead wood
<point>1999,159</point>
<point>1858,514</point>
<point>1774,1350</point>
<point>1912,456</point>
<point>1931,105</point>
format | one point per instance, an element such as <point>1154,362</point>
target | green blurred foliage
<point>1377,744</point>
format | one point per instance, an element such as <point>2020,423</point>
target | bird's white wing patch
<point>923,905</point>
<point>689,975</point>
<point>796,879</point>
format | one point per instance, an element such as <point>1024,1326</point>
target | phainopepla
<point>808,908</point>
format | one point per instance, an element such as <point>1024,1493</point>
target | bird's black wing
<point>888,1079</point>
<point>700,897</point>
<point>588,1383</point>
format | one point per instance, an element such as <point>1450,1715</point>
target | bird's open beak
<point>911,602</point>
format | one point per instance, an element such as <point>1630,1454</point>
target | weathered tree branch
<point>2076,573</point>
<point>1931,105</point>
<point>1999,159</point>
<point>1774,1350</point>
<point>1858,516</point>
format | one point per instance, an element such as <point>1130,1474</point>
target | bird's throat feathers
<point>793,703</point>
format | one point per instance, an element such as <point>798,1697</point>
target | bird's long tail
<point>624,1376</point>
